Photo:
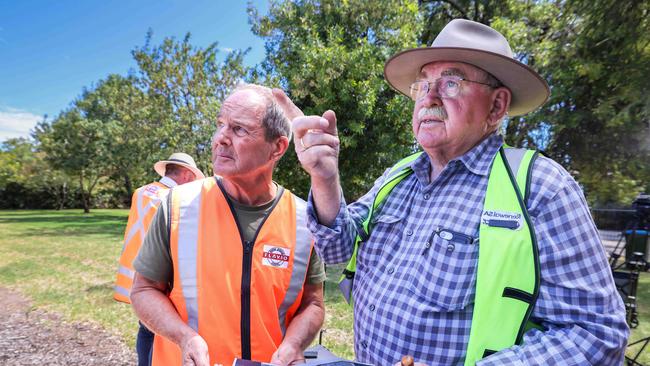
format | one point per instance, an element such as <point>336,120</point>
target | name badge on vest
<point>506,220</point>
<point>275,256</point>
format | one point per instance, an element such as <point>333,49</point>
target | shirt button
<point>364,344</point>
<point>409,232</point>
<point>428,245</point>
<point>391,270</point>
<point>427,196</point>
<point>372,307</point>
<point>450,247</point>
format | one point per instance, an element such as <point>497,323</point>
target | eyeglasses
<point>446,87</point>
<point>236,129</point>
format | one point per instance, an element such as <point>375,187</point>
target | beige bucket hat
<point>479,45</point>
<point>181,159</point>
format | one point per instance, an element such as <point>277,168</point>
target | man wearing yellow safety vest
<point>179,169</point>
<point>228,269</point>
<point>470,252</point>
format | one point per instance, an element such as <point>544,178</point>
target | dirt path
<point>36,337</point>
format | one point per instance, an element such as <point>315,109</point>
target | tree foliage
<point>130,129</point>
<point>186,85</point>
<point>330,55</point>
<point>28,181</point>
<point>77,146</point>
<point>600,108</point>
<point>594,55</point>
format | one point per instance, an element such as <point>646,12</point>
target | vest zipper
<point>247,268</point>
<point>246,300</point>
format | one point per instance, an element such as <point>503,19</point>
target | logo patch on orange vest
<point>151,191</point>
<point>276,256</point>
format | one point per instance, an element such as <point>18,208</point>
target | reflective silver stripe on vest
<point>121,290</point>
<point>188,238</point>
<point>127,272</point>
<point>300,262</point>
<point>514,157</point>
<point>138,226</point>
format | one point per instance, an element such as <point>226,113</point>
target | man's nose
<point>432,97</point>
<point>220,137</point>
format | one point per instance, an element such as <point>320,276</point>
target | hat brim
<point>160,166</point>
<point>529,90</point>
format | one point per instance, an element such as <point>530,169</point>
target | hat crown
<point>182,158</point>
<point>462,33</point>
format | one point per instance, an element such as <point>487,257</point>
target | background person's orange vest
<point>144,204</point>
<point>239,296</point>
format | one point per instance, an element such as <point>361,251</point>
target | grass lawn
<point>65,261</point>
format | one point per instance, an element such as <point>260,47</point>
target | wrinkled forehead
<point>448,68</point>
<point>245,105</point>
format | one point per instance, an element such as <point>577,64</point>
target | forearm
<point>308,321</point>
<point>303,327</point>
<point>562,346</point>
<point>335,241</point>
<point>156,311</point>
<point>326,195</point>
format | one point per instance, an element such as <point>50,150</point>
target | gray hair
<point>495,83</point>
<point>274,121</point>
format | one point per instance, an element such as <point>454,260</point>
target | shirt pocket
<point>384,234</point>
<point>444,275</point>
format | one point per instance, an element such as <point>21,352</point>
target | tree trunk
<point>84,197</point>
<point>128,185</point>
<point>63,196</point>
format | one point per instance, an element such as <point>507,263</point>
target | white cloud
<point>16,122</point>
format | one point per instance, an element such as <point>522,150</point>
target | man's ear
<point>500,103</point>
<point>280,146</point>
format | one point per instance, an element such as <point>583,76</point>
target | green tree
<point>594,54</point>
<point>186,85</point>
<point>28,181</point>
<point>77,146</point>
<point>330,55</point>
<point>132,131</point>
<point>600,107</point>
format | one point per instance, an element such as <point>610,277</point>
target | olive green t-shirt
<point>154,259</point>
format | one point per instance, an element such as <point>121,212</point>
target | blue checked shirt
<point>414,291</point>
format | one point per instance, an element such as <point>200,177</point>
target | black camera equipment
<point>641,205</point>
<point>636,247</point>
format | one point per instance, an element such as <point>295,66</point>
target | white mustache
<point>436,112</point>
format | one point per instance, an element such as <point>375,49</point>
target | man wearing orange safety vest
<point>178,169</point>
<point>227,269</point>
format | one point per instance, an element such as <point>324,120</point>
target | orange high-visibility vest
<point>144,204</point>
<point>239,296</point>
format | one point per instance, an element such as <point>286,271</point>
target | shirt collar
<point>168,182</point>
<point>477,160</point>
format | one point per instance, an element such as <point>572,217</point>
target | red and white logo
<point>151,191</point>
<point>276,256</point>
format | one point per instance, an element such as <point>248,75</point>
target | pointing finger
<point>288,107</point>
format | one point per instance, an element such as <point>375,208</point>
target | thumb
<point>330,116</point>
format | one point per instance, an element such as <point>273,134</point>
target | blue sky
<point>50,50</point>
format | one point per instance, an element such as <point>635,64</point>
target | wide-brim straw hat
<point>181,159</point>
<point>479,45</point>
